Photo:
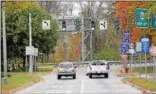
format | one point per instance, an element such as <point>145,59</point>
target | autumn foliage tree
<point>125,10</point>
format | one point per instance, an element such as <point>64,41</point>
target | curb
<point>144,91</point>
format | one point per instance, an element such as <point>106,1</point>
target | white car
<point>98,67</point>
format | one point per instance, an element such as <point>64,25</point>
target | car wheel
<point>106,75</point>
<point>58,77</point>
<point>74,76</point>
<point>90,75</point>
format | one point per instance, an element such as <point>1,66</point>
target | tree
<point>17,19</point>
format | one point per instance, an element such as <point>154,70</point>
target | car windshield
<point>65,66</point>
<point>98,63</point>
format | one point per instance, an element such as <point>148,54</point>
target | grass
<point>149,84</point>
<point>16,81</point>
<point>45,68</point>
<point>149,70</point>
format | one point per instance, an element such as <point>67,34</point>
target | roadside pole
<point>91,46</point>
<point>154,74</point>
<point>30,44</point>
<point>140,66</point>
<point>4,49</point>
<point>82,38</point>
<point>146,66</point>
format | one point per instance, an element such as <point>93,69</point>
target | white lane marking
<point>68,91</point>
<point>70,86</point>
<point>82,86</point>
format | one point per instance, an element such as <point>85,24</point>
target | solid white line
<point>82,86</point>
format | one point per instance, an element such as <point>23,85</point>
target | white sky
<point>77,8</point>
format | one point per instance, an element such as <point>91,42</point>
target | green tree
<point>17,30</point>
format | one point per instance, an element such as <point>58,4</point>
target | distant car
<point>66,69</point>
<point>98,67</point>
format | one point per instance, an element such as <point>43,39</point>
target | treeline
<point>17,30</point>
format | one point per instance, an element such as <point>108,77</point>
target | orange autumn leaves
<point>125,10</point>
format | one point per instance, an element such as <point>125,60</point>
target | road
<point>83,84</point>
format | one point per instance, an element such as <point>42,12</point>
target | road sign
<point>145,45</point>
<point>131,45</point>
<point>153,20</point>
<point>138,46</point>
<point>78,51</point>
<point>141,21</point>
<point>45,24</point>
<point>131,51</point>
<point>29,50</point>
<point>124,48</point>
<point>153,51</point>
<point>103,25</point>
<point>35,51</point>
<point>127,36</point>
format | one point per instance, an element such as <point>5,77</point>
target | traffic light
<point>63,25</point>
<point>92,25</point>
<point>78,24</point>
<point>117,26</point>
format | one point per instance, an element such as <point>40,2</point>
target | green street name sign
<point>141,21</point>
<point>153,20</point>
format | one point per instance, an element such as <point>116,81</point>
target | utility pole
<point>30,44</point>
<point>4,49</point>
<point>82,30</point>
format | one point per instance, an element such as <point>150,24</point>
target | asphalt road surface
<point>82,84</point>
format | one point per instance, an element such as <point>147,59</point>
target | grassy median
<point>16,81</point>
<point>19,79</point>
<point>149,84</point>
<point>149,70</point>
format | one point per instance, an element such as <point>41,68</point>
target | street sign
<point>153,20</point>
<point>29,50</point>
<point>78,51</point>
<point>141,21</point>
<point>127,36</point>
<point>124,48</point>
<point>45,24</point>
<point>145,45</point>
<point>138,46</point>
<point>35,51</point>
<point>131,45</point>
<point>131,51</point>
<point>153,51</point>
<point>103,25</point>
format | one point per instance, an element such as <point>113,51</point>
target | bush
<point>2,75</point>
<point>108,54</point>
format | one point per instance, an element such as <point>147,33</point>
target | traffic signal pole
<point>82,30</point>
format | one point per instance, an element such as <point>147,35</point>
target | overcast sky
<point>77,8</point>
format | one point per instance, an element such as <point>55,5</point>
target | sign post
<point>145,49</point>
<point>138,49</point>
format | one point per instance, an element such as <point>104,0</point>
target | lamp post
<point>4,48</point>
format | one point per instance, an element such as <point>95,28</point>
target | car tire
<point>59,77</point>
<point>74,76</point>
<point>106,75</point>
<point>90,75</point>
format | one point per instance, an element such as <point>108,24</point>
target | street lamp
<point>4,48</point>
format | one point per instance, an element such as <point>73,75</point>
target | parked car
<point>98,67</point>
<point>66,69</point>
